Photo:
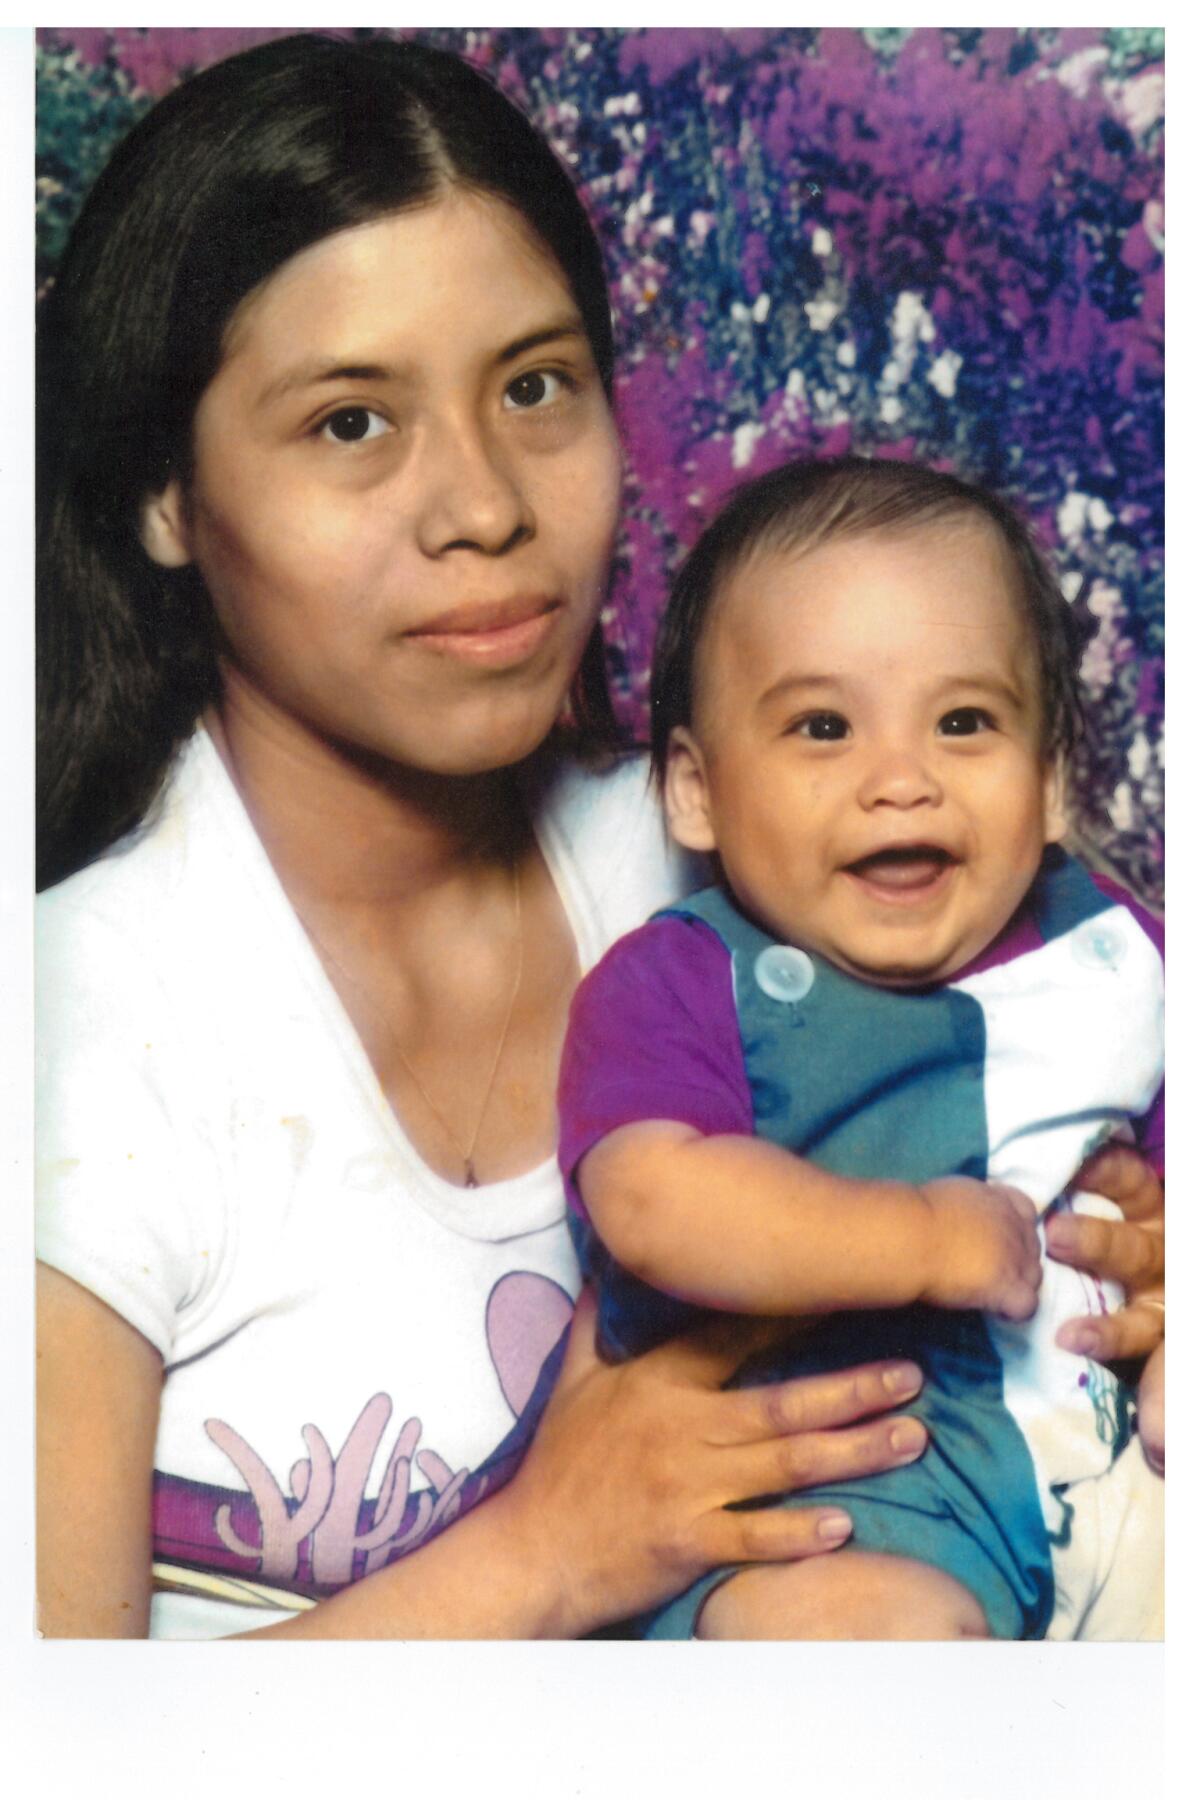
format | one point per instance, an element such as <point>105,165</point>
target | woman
<point>330,467</point>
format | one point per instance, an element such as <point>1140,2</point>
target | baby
<point>849,1079</point>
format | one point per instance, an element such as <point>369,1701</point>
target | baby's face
<point>865,753</point>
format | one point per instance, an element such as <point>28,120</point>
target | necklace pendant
<point>472,1179</point>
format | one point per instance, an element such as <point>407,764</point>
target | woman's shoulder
<point>143,905</point>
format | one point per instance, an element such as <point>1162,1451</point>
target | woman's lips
<point>909,873</point>
<point>493,635</point>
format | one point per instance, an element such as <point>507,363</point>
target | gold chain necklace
<point>467,1153</point>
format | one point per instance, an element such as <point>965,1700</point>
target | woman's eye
<point>354,425</point>
<point>823,728</point>
<point>965,721</point>
<point>533,390</point>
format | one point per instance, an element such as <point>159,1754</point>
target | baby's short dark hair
<point>804,504</point>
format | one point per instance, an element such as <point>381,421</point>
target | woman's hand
<point>622,1496</point>
<point>1130,1251</point>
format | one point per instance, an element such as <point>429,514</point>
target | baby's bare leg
<point>851,1594</point>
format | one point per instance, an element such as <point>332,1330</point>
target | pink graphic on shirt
<point>526,1316</point>
<point>328,1492</point>
<point>323,1532</point>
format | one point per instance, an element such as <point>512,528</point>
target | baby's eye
<point>353,425</point>
<point>822,727</point>
<point>536,388</point>
<point>965,721</point>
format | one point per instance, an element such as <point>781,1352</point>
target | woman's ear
<point>1054,801</point>
<point>163,527</point>
<point>685,793</point>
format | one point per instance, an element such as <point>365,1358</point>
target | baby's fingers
<point>1020,1299</point>
<point>1020,1202</point>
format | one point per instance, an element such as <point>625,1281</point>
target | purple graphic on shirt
<point>323,1532</point>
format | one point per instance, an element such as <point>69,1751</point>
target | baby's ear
<point>1054,800</point>
<point>163,527</point>
<point>685,793</point>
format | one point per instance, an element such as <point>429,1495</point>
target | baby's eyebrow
<point>978,683</point>
<point>799,681</point>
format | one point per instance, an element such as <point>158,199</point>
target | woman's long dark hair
<point>227,178</point>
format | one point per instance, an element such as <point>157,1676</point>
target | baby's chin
<point>886,963</point>
<point>906,972</point>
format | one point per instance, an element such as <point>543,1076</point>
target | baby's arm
<point>736,1223</point>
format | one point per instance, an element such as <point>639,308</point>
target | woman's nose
<point>473,496</point>
<point>899,775</point>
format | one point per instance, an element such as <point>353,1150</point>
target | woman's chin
<point>471,749</point>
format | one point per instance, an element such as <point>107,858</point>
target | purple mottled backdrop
<point>943,244</point>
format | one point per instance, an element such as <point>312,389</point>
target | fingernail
<point>903,1379</point>
<point>1085,1339</point>
<point>832,1527</point>
<point>907,1439</point>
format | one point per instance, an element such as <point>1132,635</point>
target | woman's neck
<point>346,828</point>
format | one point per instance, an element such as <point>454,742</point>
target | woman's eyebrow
<point>551,334</point>
<point>312,374</point>
<point>317,372</point>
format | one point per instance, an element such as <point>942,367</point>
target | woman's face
<point>405,488</point>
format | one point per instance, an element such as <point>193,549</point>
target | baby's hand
<point>985,1247</point>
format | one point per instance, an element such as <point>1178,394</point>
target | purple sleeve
<point>1151,1129</point>
<point>653,1034</point>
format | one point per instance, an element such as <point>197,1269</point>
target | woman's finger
<point>1129,1254</point>
<point>810,1403</point>
<point>811,1458</point>
<point>789,1465</point>
<point>1127,1335</point>
<point>1121,1174</point>
<point>771,1534</point>
<point>1151,1411</point>
<point>580,1354</point>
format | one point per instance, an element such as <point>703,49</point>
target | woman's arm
<point>734,1222</point>
<point>98,1388</point>
<point>621,1499</point>
<point>619,1503</point>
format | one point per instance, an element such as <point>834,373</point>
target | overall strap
<point>867,1081</point>
<point>1064,896</point>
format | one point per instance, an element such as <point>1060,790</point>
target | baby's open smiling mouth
<point>909,871</point>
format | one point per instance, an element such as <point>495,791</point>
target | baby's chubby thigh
<point>849,1594</point>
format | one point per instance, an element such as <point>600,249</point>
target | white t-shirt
<point>347,1337</point>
